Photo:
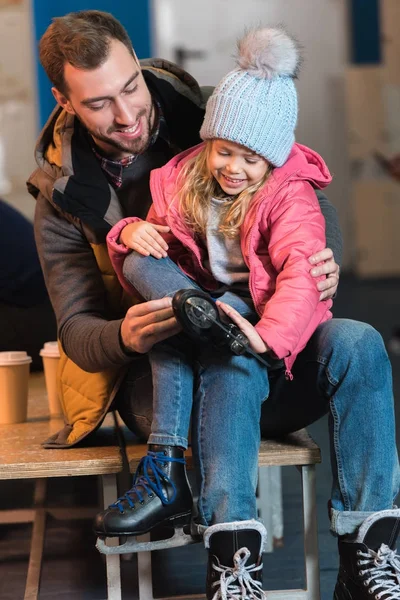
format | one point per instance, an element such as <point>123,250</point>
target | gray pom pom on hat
<point>268,52</point>
<point>255,105</point>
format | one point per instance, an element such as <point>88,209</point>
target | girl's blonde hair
<point>196,187</point>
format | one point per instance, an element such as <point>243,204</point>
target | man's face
<point>112,101</point>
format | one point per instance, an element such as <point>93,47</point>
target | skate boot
<point>235,560</point>
<point>198,314</point>
<point>160,495</point>
<point>369,566</point>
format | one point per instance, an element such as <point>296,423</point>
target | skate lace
<point>383,572</point>
<point>149,478</point>
<point>236,583</point>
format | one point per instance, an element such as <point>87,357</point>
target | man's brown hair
<point>81,39</point>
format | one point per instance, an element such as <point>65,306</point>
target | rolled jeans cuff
<point>168,440</point>
<point>346,522</point>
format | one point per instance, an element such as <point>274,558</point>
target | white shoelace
<point>236,583</point>
<point>383,569</point>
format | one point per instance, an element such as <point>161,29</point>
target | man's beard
<point>136,146</point>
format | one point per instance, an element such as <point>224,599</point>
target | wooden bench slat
<point>23,457</point>
<point>296,448</point>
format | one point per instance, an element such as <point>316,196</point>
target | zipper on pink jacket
<point>283,183</point>
<point>288,375</point>
<point>288,372</point>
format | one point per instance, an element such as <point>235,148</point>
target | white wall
<point>18,125</point>
<point>320,25</point>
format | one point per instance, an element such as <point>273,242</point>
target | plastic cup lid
<point>50,350</point>
<point>14,358</point>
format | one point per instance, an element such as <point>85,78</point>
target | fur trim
<point>377,516</point>
<point>269,52</point>
<point>236,526</point>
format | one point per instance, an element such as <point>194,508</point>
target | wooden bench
<point>296,449</point>
<point>22,457</point>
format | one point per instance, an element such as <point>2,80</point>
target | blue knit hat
<point>255,105</point>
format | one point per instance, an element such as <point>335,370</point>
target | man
<point>116,121</point>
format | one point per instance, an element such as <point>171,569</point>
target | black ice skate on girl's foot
<point>235,560</point>
<point>369,566</point>
<point>198,314</point>
<point>160,495</point>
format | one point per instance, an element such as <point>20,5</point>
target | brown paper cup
<point>14,380</point>
<point>51,356</point>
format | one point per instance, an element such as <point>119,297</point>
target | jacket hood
<point>303,164</point>
<point>48,154</point>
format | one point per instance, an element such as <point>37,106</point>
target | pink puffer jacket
<point>282,229</point>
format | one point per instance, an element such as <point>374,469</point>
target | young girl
<point>236,216</point>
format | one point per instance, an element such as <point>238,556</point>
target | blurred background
<point>349,89</point>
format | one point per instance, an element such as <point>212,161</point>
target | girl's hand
<point>256,342</point>
<point>145,238</point>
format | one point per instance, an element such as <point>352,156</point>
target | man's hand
<point>145,238</point>
<point>148,323</point>
<point>328,286</point>
<point>256,342</point>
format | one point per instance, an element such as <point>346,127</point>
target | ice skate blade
<point>180,538</point>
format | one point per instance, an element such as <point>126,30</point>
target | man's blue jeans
<point>344,370</point>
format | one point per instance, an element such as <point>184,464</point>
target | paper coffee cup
<point>50,356</point>
<point>14,380</point>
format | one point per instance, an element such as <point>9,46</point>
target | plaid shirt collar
<point>113,169</point>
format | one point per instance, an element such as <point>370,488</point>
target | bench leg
<point>37,542</point>
<point>308,477</point>
<point>264,493</point>
<point>269,504</point>
<point>277,506</point>
<point>145,581</point>
<point>112,560</point>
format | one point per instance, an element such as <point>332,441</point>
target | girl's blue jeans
<point>344,371</point>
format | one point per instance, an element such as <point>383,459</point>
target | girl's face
<point>235,167</point>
